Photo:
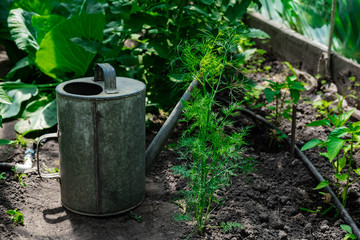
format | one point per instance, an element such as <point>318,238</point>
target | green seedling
<point>279,92</point>
<point>16,216</point>
<point>138,218</point>
<point>322,107</point>
<point>318,210</point>
<point>327,200</point>
<point>19,176</point>
<point>50,170</point>
<point>2,176</point>
<point>349,234</point>
<point>284,108</point>
<point>340,145</point>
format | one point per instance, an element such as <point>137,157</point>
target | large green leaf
<point>323,122</point>
<point>58,55</point>
<point>5,141</point>
<point>19,66</point>
<point>312,143</point>
<point>345,116</point>
<point>21,30</point>
<point>18,92</point>
<point>333,147</point>
<point>41,7</point>
<point>341,177</point>
<point>338,133</point>
<point>257,33</point>
<point>38,115</point>
<point>43,24</point>
<point>322,185</point>
<point>269,94</point>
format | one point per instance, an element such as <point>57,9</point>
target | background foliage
<point>51,41</point>
<point>312,19</point>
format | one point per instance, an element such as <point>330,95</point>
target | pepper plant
<point>279,93</point>
<point>340,146</point>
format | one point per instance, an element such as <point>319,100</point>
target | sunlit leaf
<point>58,55</point>
<point>322,185</point>
<point>5,141</point>
<point>21,30</point>
<point>257,33</point>
<point>4,98</point>
<point>323,122</point>
<point>18,92</point>
<point>312,143</point>
<point>338,133</point>
<point>43,24</point>
<point>357,171</point>
<point>341,177</point>
<point>333,147</point>
<point>345,116</point>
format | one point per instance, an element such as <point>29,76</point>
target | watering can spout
<point>105,72</point>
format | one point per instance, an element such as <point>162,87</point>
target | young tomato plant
<point>340,145</point>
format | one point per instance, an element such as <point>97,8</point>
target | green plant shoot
<point>16,216</point>
<point>349,233</point>
<point>340,145</point>
<point>279,92</point>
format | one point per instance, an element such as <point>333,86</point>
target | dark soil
<point>266,201</point>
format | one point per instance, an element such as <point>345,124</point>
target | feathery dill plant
<point>211,150</point>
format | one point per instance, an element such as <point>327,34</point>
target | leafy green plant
<point>138,218</point>
<point>211,150</point>
<point>57,41</point>
<point>340,145</point>
<point>349,234</point>
<point>311,18</point>
<point>19,176</point>
<point>50,170</point>
<point>322,107</point>
<point>16,216</point>
<point>278,92</point>
<point>2,176</point>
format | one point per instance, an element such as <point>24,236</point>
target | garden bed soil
<point>266,201</point>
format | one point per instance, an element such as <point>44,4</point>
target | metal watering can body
<point>101,134</point>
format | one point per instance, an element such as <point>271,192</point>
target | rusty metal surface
<point>102,146</point>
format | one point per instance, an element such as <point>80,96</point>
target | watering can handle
<point>41,138</point>
<point>105,72</point>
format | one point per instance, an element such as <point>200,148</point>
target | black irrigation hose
<point>161,137</point>
<point>316,173</point>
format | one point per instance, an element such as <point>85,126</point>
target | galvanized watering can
<point>101,135</point>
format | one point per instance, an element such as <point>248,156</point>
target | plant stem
<point>293,130</point>
<point>337,180</point>
<point>349,172</point>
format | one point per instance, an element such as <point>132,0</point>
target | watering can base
<point>107,214</point>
